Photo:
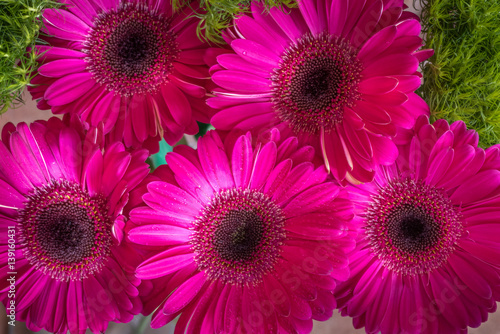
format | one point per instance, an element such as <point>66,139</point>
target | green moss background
<point>19,29</point>
<point>462,79</point>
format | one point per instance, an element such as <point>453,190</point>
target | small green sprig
<point>19,31</point>
<point>217,15</point>
<point>462,79</point>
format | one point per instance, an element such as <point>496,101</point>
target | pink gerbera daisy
<point>427,258</point>
<point>135,65</point>
<point>249,241</point>
<point>340,75</point>
<point>61,199</point>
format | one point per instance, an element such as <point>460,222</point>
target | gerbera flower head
<point>61,199</point>
<point>339,75</point>
<point>136,66</point>
<point>426,257</point>
<point>250,238</point>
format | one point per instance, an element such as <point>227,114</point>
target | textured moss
<point>462,79</point>
<point>19,30</point>
<point>218,14</point>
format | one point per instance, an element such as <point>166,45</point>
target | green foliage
<point>158,159</point>
<point>462,79</point>
<point>204,127</point>
<point>218,14</point>
<point>19,30</point>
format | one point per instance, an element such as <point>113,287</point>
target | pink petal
<point>187,36</point>
<point>444,143</point>
<point>70,147</point>
<point>278,296</point>
<point>438,166</point>
<point>468,274</point>
<point>367,23</point>
<point>188,88</point>
<point>378,85</point>
<point>409,27</point>
<point>477,187</point>
<point>277,177</point>
<point>292,24</point>
<point>264,164</point>
<point>254,31</point>
<point>159,235</point>
<point>185,293</point>
<point>296,180</point>
<point>69,88</point>
<point>94,174</point>
<point>455,312</point>
<point>483,253</point>
<point>215,163</point>
<point>172,198</point>
<point>423,54</point>
<point>220,308</point>
<point>189,177</point>
<point>164,264</point>
<point>228,118</point>
<point>287,148</point>
<point>28,161</point>
<point>308,11</point>
<point>12,172</point>
<point>265,20</point>
<point>109,103</point>
<point>334,155</point>
<point>241,162</point>
<point>10,197</point>
<point>360,142</point>
<point>192,57</point>
<point>233,309</point>
<point>337,15</point>
<point>51,53</point>
<point>394,98</point>
<point>394,64</point>
<point>241,82</point>
<point>385,152</point>
<point>177,103</point>
<point>353,14</point>
<point>371,112</point>
<point>408,83</point>
<point>257,54</point>
<point>235,62</point>
<point>377,43</point>
<point>66,21</point>
<point>76,37</point>
<point>312,199</point>
<point>193,71</point>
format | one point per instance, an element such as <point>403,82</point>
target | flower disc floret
<point>318,77</point>
<point>131,50</point>
<point>237,239</point>
<point>67,233</point>
<point>412,227</point>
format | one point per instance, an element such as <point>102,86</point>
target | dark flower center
<point>237,238</point>
<point>316,84</point>
<point>412,227</point>
<point>238,235</point>
<point>65,233</point>
<point>131,50</point>
<point>318,77</point>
